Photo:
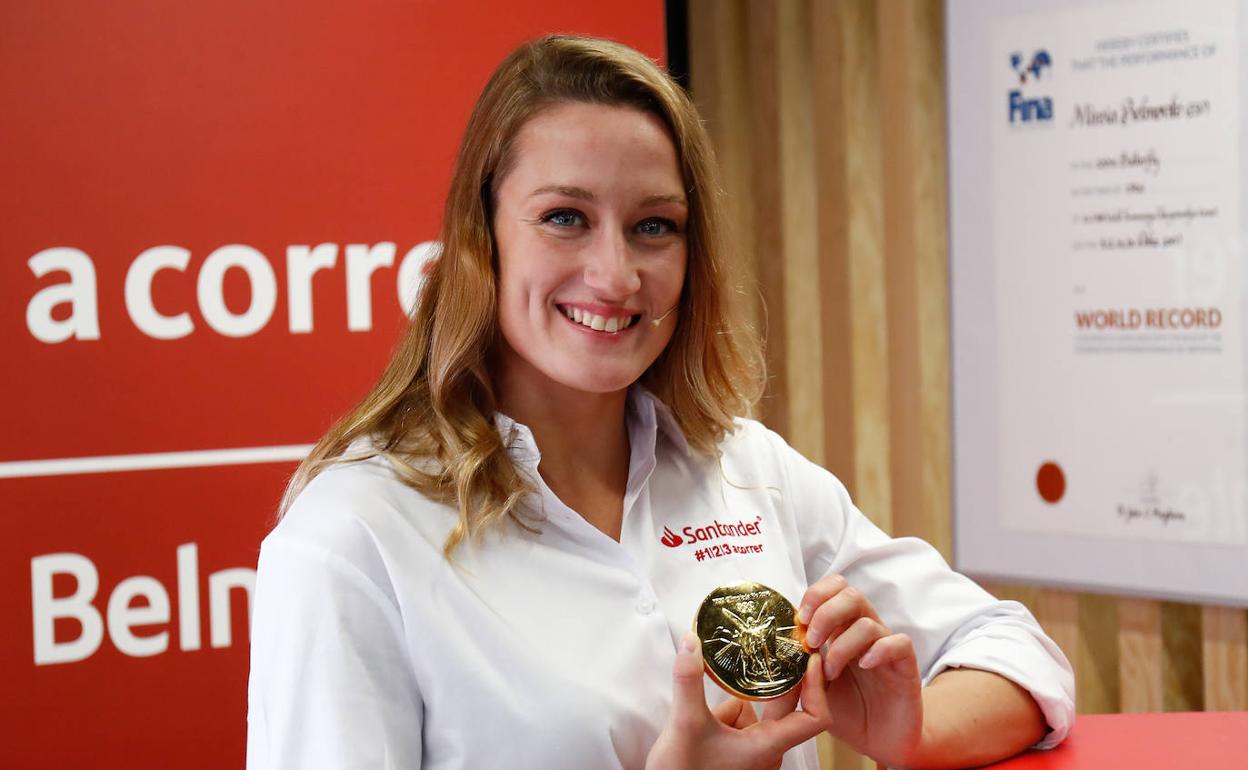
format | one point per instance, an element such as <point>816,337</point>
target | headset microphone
<point>659,320</point>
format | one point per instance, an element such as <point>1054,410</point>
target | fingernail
<point>868,661</point>
<point>803,614</point>
<point>688,643</point>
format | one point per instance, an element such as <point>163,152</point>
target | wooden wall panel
<point>864,214</point>
<point>798,193</point>
<point>718,52</point>
<point>828,118</point>
<point>1058,613</point>
<point>931,518</point>
<point>1096,654</point>
<point>915,258</point>
<point>895,32</point>
<point>832,227</point>
<point>762,35</point>
<point>1139,655</point>
<point>1182,676</point>
<point>1225,656</point>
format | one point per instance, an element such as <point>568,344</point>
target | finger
<point>836,614</point>
<point>688,698</point>
<point>851,644</point>
<point>800,726</point>
<point>895,649</point>
<point>814,692</point>
<point>822,590</point>
<point>735,713</point>
<point>778,707</point>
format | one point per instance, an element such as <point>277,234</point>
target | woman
<point>495,559</point>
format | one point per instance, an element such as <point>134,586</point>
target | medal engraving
<point>752,645</point>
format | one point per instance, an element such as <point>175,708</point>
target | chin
<point>599,385</point>
<point>600,381</point>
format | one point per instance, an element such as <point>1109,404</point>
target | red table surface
<point>1187,741</point>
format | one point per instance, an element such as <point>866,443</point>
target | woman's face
<point>590,229</point>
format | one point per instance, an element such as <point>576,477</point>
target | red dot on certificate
<point>1051,482</point>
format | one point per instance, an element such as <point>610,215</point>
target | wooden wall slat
<point>916,267</point>
<point>798,193</point>
<point>1097,669</point>
<point>1225,655</point>
<point>931,260</point>
<point>832,205</point>
<point>1182,678</point>
<point>1139,655</point>
<point>719,70</point>
<point>865,214</point>
<point>894,28</point>
<point>762,32</point>
<point>1058,613</point>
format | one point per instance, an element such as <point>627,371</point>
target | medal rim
<point>799,634</point>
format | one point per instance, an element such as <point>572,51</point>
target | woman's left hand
<point>731,737</point>
<point>873,686</point>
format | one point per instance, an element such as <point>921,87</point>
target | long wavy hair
<point>430,415</point>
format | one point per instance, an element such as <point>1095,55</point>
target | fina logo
<point>1022,109</point>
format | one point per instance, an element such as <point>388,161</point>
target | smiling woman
<point>480,565</point>
<point>590,226</point>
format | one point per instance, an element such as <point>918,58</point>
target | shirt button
<point>645,606</point>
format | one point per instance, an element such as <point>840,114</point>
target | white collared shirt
<point>554,649</point>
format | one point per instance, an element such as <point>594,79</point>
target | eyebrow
<point>653,199</point>
<point>581,193</point>
<point>560,189</point>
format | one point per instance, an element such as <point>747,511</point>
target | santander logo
<point>713,531</point>
<point>670,538</point>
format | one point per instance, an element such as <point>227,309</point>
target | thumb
<point>688,698</point>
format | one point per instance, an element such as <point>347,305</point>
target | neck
<point>580,428</point>
<point>584,443</point>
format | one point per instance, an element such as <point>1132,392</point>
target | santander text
<point>717,529</point>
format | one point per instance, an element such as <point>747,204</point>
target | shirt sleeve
<point>952,621</point>
<point>331,685</point>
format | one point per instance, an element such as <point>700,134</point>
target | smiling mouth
<point>599,323</point>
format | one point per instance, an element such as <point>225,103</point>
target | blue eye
<point>563,218</point>
<point>656,226</point>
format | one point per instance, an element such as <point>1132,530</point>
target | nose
<point>609,268</point>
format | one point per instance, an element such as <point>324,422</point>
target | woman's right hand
<point>731,737</point>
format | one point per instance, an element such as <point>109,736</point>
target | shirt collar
<point>518,440</point>
<point>646,408</point>
<point>645,414</point>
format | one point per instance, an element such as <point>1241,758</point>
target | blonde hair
<point>430,415</point>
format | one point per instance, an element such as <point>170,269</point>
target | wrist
<point>933,741</point>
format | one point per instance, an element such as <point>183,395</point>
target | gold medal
<point>752,644</point>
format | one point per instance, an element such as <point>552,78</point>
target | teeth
<point>597,322</point>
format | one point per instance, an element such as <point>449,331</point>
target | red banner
<point>213,216</point>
